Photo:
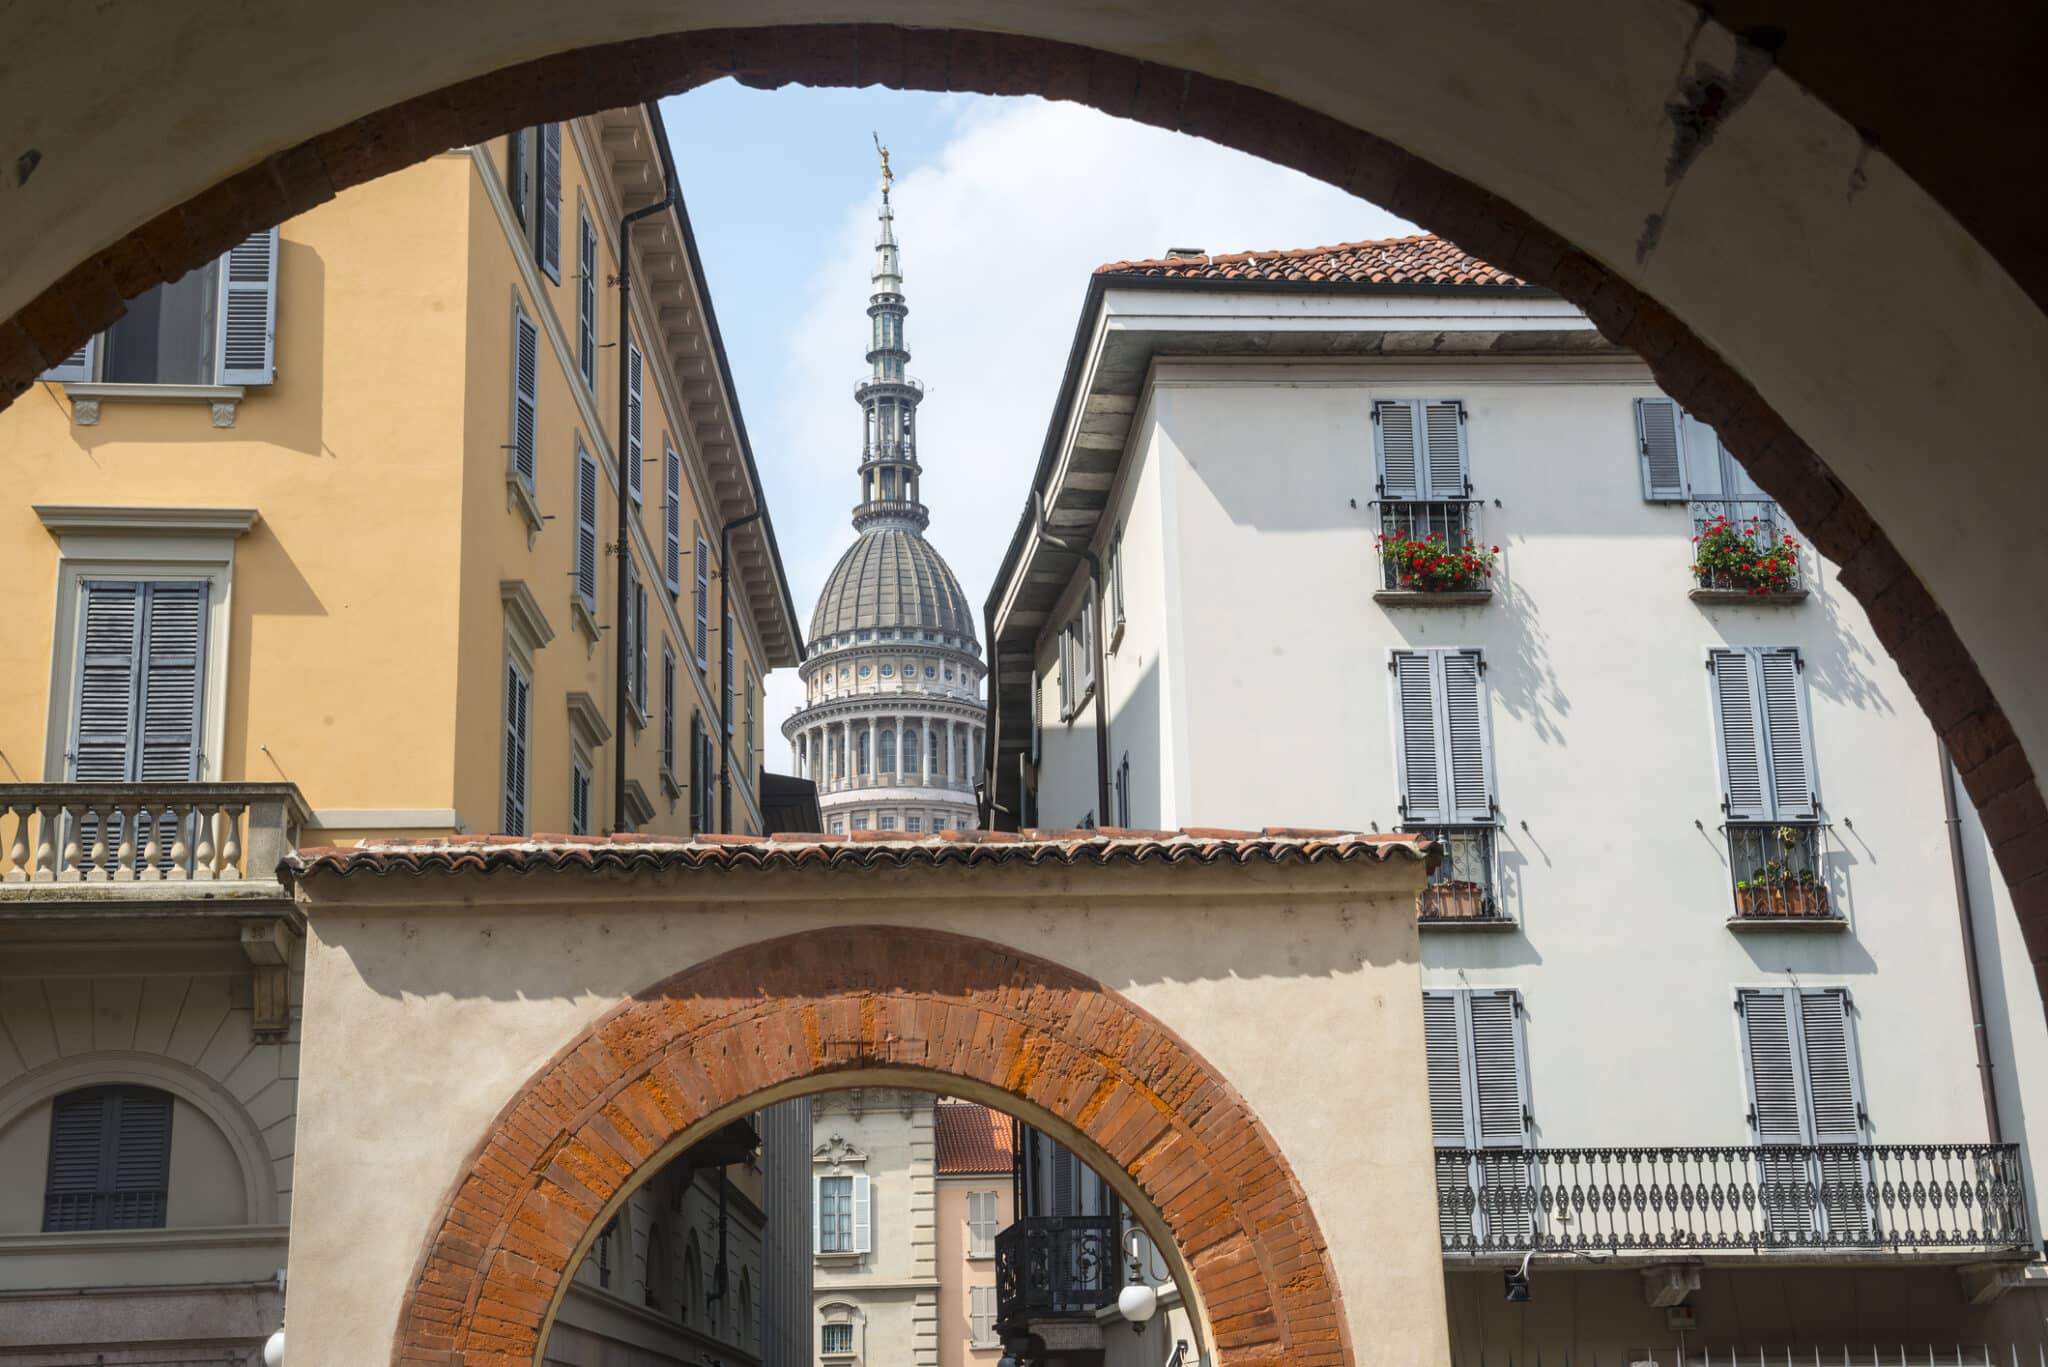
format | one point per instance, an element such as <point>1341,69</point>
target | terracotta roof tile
<point>866,849</point>
<point>1425,259</point>
<point>971,1138</point>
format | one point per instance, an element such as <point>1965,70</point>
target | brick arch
<point>1915,631</point>
<point>825,1008</point>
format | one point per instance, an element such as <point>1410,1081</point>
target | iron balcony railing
<point>146,832</point>
<point>1449,524</point>
<point>1462,887</point>
<point>868,382</point>
<point>1055,1265</point>
<point>1758,522</point>
<point>1779,870</point>
<point>1895,1197</point>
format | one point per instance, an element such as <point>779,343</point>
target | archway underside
<point>1915,631</point>
<point>850,1000</point>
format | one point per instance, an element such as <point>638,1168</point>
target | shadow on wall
<point>1518,668</point>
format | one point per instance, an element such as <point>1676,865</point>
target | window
<point>586,527</point>
<point>1077,662</point>
<point>518,705</point>
<point>1681,458</point>
<point>860,823</point>
<point>888,671</point>
<point>1116,584</point>
<point>137,716</point>
<point>1479,1101</point>
<point>525,395</point>
<point>693,1280</point>
<point>579,795</point>
<point>1443,751</point>
<point>888,749</point>
<point>700,780</point>
<point>635,413</point>
<point>839,825</point>
<point>1767,769</point>
<point>752,688</point>
<point>1420,448</point>
<point>934,740</point>
<point>888,823</point>
<point>1123,792</point>
<point>657,1269</point>
<point>728,675</point>
<point>913,823</point>
<point>212,326</point>
<point>606,1237</point>
<point>586,298</point>
<point>842,1204</point>
<point>1804,1090</point>
<point>981,1316</point>
<point>639,645</point>
<point>668,712</point>
<point>110,1160</point>
<point>836,1339</point>
<point>707,762</point>
<point>1037,709</point>
<point>672,519</point>
<point>702,602</point>
<point>981,1224</point>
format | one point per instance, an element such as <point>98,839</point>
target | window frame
<point>111,1099</point>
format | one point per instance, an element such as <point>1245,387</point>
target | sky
<point>1004,206</point>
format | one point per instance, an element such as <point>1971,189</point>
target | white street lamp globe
<point>1137,1303</point>
<point>273,1350</point>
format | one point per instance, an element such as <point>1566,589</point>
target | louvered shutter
<point>1745,788</point>
<point>728,673</point>
<point>586,298</point>
<point>1789,746</point>
<point>862,1235</point>
<point>702,603</point>
<point>173,654</point>
<point>1418,749</point>
<point>818,1214</point>
<point>550,243</point>
<point>1448,1120</point>
<point>525,394</point>
<point>672,518</point>
<point>79,365</point>
<point>1777,1111</point>
<point>1498,1092</point>
<point>586,528</point>
<point>639,645</point>
<point>668,711</point>
<point>77,1138</point>
<point>518,697</point>
<point>103,745</point>
<point>110,1157</point>
<point>247,313</point>
<point>1657,447</point>
<point>1065,1175</point>
<point>1443,426</point>
<point>140,1159</point>
<point>1835,1098</point>
<point>1395,431</point>
<point>634,414</point>
<point>1469,749</point>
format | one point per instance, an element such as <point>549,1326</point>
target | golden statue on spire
<point>888,177</point>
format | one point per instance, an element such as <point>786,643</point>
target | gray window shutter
<point>1738,721</point>
<point>141,1159</point>
<point>79,365</point>
<point>639,644</point>
<point>110,1156</point>
<point>550,242</point>
<point>103,738</point>
<point>1793,796</point>
<point>525,394</point>
<point>702,603</point>
<point>71,1185</point>
<point>863,1241</point>
<point>586,528</point>
<point>1777,1109</point>
<point>518,698</point>
<point>672,518</point>
<point>634,414</point>
<point>731,675</point>
<point>1657,447</point>
<point>1397,439</point>
<point>586,298</point>
<point>247,344</point>
<point>668,711</point>
<point>1443,425</point>
<point>173,663</point>
<point>1418,750</point>
<point>1832,1084</point>
<point>1700,448</point>
<point>1469,748</point>
<point>1499,1090</point>
<point>1449,1122</point>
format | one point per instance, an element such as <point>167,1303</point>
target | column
<point>924,750</point>
<point>874,751</point>
<point>949,752</point>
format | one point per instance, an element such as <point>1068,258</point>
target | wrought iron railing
<point>1461,888</point>
<point>1758,521</point>
<point>1779,870</point>
<point>1055,1265</point>
<point>1453,522</point>
<point>1833,1196</point>
<point>146,832</point>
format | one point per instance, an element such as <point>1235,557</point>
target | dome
<point>891,577</point>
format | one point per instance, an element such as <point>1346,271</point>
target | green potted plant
<point>1777,887</point>
<point>1434,564</point>
<point>1745,556</point>
<point>1453,899</point>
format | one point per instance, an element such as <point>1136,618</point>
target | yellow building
<point>319,542</point>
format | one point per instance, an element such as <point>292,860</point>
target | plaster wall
<point>1298,986</point>
<point>886,1134</point>
<point>958,1271</point>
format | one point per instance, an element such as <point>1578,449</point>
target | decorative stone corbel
<point>268,945</point>
<point>85,412</point>
<point>224,412</point>
<point>1668,1284</point>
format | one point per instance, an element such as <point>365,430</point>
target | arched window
<point>657,1268</point>
<point>110,1159</point>
<point>862,757</point>
<point>693,1280</point>
<point>888,743</point>
<point>910,750</point>
<point>936,765</point>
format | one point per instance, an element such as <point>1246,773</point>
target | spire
<point>888,397</point>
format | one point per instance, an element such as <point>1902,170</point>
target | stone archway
<point>802,1012</point>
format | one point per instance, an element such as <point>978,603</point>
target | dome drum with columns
<point>892,723</point>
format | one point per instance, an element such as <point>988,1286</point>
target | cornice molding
<point>523,612</point>
<point>63,518</point>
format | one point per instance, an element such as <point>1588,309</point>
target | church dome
<point>891,577</point>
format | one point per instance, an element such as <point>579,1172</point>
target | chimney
<point>1185,253</point>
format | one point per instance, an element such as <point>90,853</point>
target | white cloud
<point>999,237</point>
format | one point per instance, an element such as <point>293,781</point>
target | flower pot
<point>1793,899</point>
<point>1452,900</point>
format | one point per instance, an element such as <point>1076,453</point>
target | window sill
<point>1744,598</point>
<point>1422,598</point>
<point>585,621</point>
<point>669,786</point>
<point>86,397</point>
<point>1467,923</point>
<point>1745,925</point>
<point>518,496</point>
<point>838,1256</point>
<point>1116,637</point>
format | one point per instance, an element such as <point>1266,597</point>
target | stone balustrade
<point>146,832</point>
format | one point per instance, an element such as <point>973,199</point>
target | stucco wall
<point>886,1134</point>
<point>957,1271</point>
<point>1298,986</point>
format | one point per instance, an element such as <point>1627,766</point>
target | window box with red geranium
<point>1742,551</point>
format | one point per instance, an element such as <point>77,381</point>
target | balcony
<point>1055,1265</point>
<point>1744,551</point>
<point>900,384</point>
<point>1778,874</point>
<point>1430,553</point>
<point>1964,1199</point>
<point>1460,892</point>
<point>145,833</point>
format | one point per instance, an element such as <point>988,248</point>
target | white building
<point>1698,892</point>
<point>874,1204</point>
<point>891,727</point>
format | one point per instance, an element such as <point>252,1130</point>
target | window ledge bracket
<point>584,621</point>
<point>518,496</point>
<point>87,395</point>
<point>1422,598</point>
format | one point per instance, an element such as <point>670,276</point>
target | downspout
<point>625,547</point>
<point>1955,858</point>
<point>1045,534</point>
<point>985,800</point>
<point>725,673</point>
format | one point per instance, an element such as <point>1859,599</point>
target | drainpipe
<point>625,546</point>
<point>985,800</point>
<point>1970,968</point>
<point>725,674</point>
<point>1045,534</point>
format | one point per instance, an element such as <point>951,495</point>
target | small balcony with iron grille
<point>1744,551</point>
<point>1053,1267</point>
<point>1432,554</point>
<point>1778,877</point>
<point>1461,892</point>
